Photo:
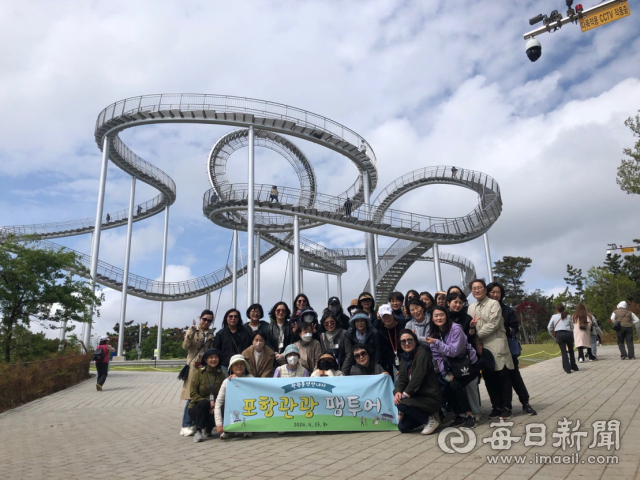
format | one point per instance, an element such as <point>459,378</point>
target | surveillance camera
<point>534,49</point>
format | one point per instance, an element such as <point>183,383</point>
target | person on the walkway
<point>308,347</point>
<point>364,361</point>
<point>561,328</point>
<point>238,367</point>
<point>361,331</point>
<point>419,321</point>
<point>197,340</point>
<point>389,341</point>
<point>139,210</point>
<point>102,365</point>
<point>327,367</point>
<point>255,313</point>
<point>596,332</point>
<point>232,339</point>
<point>582,331</point>
<point>273,196</point>
<point>625,318</point>
<point>348,205</point>
<point>281,330</point>
<point>335,307</point>
<point>487,323</point>
<point>417,391</point>
<point>204,387</point>
<point>334,340</point>
<point>108,218</point>
<point>511,324</point>
<point>367,304</point>
<point>457,363</point>
<point>396,300</point>
<point>292,367</point>
<point>454,172</point>
<point>260,357</point>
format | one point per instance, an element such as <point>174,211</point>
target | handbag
<point>617,327</point>
<point>487,360</point>
<point>554,327</point>
<point>184,372</point>
<point>461,366</point>
<point>514,346</point>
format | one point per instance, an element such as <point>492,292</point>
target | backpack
<point>98,354</point>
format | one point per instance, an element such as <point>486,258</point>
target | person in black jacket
<point>389,342</point>
<point>281,330</point>
<point>232,339</point>
<point>334,340</point>
<point>495,291</point>
<point>338,314</point>
<point>300,303</point>
<point>255,313</point>
<point>367,304</point>
<point>362,331</point>
<point>363,361</point>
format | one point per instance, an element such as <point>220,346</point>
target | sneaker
<point>431,425</point>
<point>506,413</point>
<point>528,410</point>
<point>623,358</point>
<point>248,435</point>
<point>184,431</point>
<point>495,413</point>
<point>469,422</point>
<point>98,387</point>
<point>459,420</point>
<point>581,360</point>
<point>206,434</point>
<point>224,435</point>
<point>478,417</point>
<point>189,431</point>
<point>198,436</point>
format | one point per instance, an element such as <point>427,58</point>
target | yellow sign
<point>628,250</point>
<point>615,12</point>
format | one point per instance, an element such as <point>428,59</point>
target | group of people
<point>436,350</point>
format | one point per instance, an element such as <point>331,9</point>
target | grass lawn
<point>537,352</point>
<point>122,368</point>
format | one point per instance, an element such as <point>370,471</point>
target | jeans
<point>518,383</point>
<point>102,370</point>
<point>594,344</point>
<point>412,418</point>
<point>499,387</point>
<point>186,419</point>
<point>565,342</point>
<point>626,335</point>
<point>473,394</point>
<point>200,414</point>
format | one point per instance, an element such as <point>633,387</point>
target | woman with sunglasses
<point>334,340</point>
<point>364,363</point>
<point>197,340</point>
<point>232,339</point>
<point>417,392</point>
<point>281,330</point>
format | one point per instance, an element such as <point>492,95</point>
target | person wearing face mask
<point>203,390</point>
<point>281,330</point>
<point>232,339</point>
<point>334,340</point>
<point>389,339</point>
<point>197,340</point>
<point>255,313</point>
<point>367,304</point>
<point>327,367</point>
<point>364,363</point>
<point>292,367</point>
<point>308,347</point>
<point>336,311</point>
<point>395,302</point>
<point>261,359</point>
<point>238,367</point>
<point>361,331</point>
<point>420,321</point>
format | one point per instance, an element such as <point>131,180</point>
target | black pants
<point>273,198</point>
<point>102,370</point>
<point>456,394</point>
<point>565,342</point>
<point>581,353</point>
<point>499,387</point>
<point>518,383</point>
<point>200,414</point>
<point>412,418</point>
<point>626,335</point>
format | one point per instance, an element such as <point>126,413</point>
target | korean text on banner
<point>355,403</point>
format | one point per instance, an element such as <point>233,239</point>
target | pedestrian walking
<point>139,210</point>
<point>101,359</point>
<point>561,329</point>
<point>582,322</point>
<point>273,196</point>
<point>454,172</point>
<point>623,320</point>
<point>348,205</point>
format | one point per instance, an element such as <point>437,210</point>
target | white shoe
<point>224,435</point>
<point>581,360</point>
<point>198,436</point>
<point>189,431</point>
<point>431,425</point>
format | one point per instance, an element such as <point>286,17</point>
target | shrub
<point>544,337</point>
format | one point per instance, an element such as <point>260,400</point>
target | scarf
<point>361,337</point>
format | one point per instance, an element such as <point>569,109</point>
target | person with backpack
<point>101,359</point>
<point>623,320</point>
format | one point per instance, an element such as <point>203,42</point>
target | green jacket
<point>203,381</point>
<point>423,386</point>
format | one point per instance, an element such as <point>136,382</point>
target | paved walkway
<point>130,430</point>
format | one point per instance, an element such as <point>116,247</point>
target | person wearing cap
<point>327,367</point>
<point>232,339</point>
<point>367,304</point>
<point>260,357</point>
<point>255,313</point>
<point>364,363</point>
<point>389,339</point>
<point>205,386</point>
<point>335,307</point>
<point>334,340</point>
<point>197,339</point>
<point>238,367</point>
<point>308,347</point>
<point>352,307</point>
<point>361,331</point>
<point>281,330</point>
<point>102,366</point>
<point>292,367</point>
<point>420,321</point>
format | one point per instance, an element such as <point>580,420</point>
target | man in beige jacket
<point>488,324</point>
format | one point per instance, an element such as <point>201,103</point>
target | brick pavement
<point>138,417</point>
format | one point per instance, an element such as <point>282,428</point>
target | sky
<point>426,83</point>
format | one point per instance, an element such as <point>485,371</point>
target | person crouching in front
<point>327,366</point>
<point>205,386</point>
<point>292,367</point>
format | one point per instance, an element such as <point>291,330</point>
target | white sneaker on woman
<point>431,425</point>
<point>189,431</point>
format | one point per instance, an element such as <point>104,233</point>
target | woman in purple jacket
<point>457,364</point>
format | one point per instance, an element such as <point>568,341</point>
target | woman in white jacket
<point>238,367</point>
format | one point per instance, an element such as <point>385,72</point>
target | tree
<point>629,170</point>
<point>532,318</point>
<point>509,272</point>
<point>575,279</point>
<point>33,287</point>
<point>613,263</point>
<point>604,291</point>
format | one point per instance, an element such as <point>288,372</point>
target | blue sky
<point>426,83</point>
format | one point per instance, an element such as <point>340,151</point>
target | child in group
<point>292,367</point>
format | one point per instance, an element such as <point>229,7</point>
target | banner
<point>354,403</point>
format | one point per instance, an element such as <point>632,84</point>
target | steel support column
<point>256,297</point>
<point>297,273</point>
<point>326,289</point>
<point>487,253</point>
<point>125,276</point>
<point>234,273</point>
<point>436,266</point>
<point>207,301</point>
<point>250,220</point>
<point>162,277</point>
<point>368,238</point>
<point>339,276</point>
<point>291,286</point>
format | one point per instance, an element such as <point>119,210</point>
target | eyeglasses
<point>301,300</point>
<point>207,320</point>
<point>329,322</point>
<point>408,341</point>
<point>360,355</point>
